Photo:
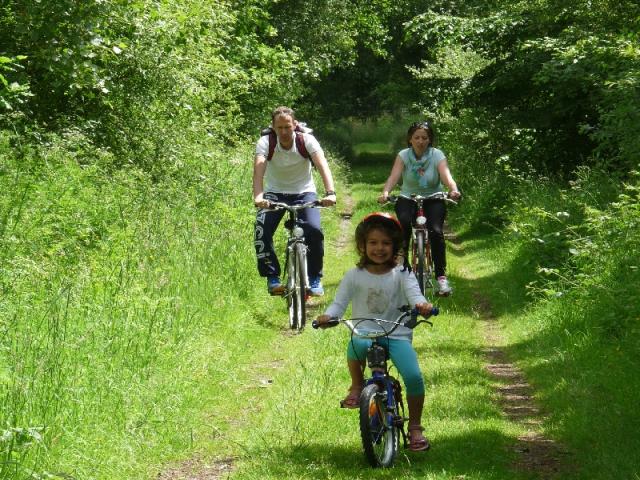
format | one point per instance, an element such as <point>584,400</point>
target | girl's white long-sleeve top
<point>377,296</point>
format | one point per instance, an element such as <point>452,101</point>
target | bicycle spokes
<point>378,429</point>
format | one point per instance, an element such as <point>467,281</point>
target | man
<point>287,177</point>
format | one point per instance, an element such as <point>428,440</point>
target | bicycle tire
<point>419,254</point>
<point>379,432</point>
<point>301,286</point>
<point>429,283</point>
<point>292,304</point>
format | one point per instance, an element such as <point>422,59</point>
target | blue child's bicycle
<point>381,406</point>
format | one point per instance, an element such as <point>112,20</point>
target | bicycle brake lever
<point>413,322</point>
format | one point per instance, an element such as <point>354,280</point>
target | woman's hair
<point>384,225</point>
<point>282,111</point>
<point>420,125</point>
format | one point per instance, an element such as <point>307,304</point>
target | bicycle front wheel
<point>301,285</point>
<point>380,435</point>
<point>419,260</point>
<point>292,288</point>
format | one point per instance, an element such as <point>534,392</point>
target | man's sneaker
<point>315,287</point>
<point>274,285</point>
<point>444,288</point>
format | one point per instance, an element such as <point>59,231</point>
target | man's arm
<point>321,164</point>
<point>259,168</point>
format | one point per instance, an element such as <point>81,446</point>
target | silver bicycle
<point>296,277</point>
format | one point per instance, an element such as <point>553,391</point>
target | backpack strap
<point>299,139</point>
<point>273,140</point>
<point>302,148</point>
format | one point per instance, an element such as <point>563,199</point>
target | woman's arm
<point>394,177</point>
<point>447,179</point>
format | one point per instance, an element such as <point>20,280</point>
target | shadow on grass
<point>477,454</point>
<point>495,294</point>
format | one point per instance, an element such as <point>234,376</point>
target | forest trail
<point>532,454</point>
<point>199,468</point>
<point>536,453</point>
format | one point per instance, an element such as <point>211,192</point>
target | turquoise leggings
<point>402,354</point>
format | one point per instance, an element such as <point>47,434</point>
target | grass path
<point>282,420</point>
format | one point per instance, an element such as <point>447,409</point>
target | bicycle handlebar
<point>412,323</point>
<point>416,198</point>
<point>285,206</point>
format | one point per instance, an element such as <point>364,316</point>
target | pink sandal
<point>417,441</point>
<point>352,400</point>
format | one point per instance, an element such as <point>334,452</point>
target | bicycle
<point>421,260</point>
<point>381,411</point>
<point>297,280</point>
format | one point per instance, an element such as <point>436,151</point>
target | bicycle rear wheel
<point>429,284</point>
<point>380,435</point>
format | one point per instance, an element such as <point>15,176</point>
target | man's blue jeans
<point>267,222</point>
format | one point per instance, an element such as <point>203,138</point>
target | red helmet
<point>383,217</point>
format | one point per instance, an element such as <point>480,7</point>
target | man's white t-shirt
<point>288,171</point>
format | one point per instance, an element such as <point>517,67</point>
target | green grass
<point>584,380</point>
<point>298,431</point>
<point>295,428</point>
<point>148,350</point>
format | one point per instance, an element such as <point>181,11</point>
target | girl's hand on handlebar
<point>424,309</point>
<point>322,321</point>
<point>384,198</point>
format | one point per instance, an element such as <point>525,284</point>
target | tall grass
<point>110,283</point>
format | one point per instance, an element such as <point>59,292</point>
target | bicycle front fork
<point>297,262</point>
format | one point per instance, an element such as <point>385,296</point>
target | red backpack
<point>299,139</point>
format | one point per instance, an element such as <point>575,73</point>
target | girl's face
<point>379,247</point>
<point>420,140</point>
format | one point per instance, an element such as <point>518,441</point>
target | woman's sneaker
<point>315,286</point>
<point>444,288</point>
<point>274,285</point>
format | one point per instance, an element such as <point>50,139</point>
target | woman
<point>423,170</point>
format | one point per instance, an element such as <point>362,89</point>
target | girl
<point>423,169</point>
<point>377,288</point>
